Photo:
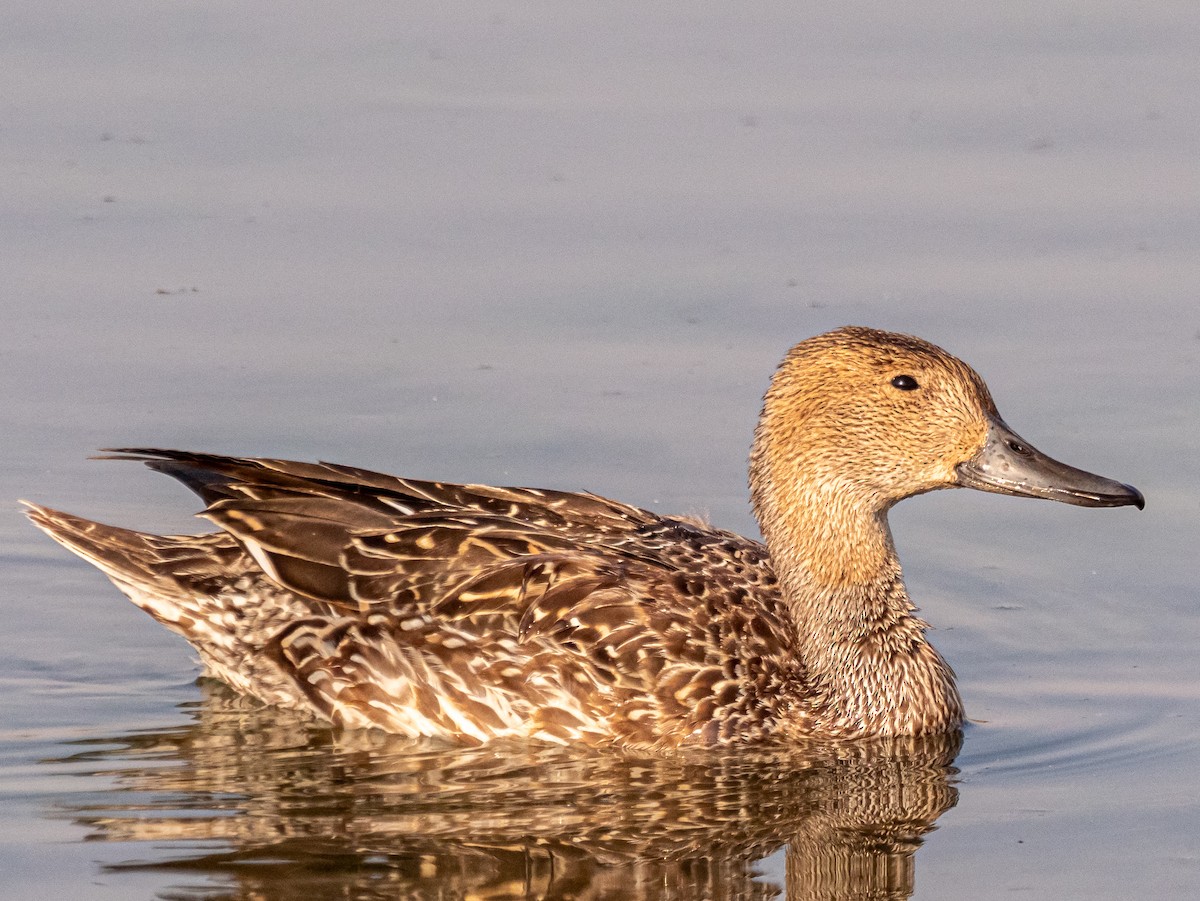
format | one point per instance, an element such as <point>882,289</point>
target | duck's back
<point>462,611</point>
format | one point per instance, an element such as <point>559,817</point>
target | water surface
<point>524,244</point>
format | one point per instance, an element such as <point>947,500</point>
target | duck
<point>470,613</point>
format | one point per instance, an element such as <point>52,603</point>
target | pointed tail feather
<point>134,561</point>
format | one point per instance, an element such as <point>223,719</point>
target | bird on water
<point>470,612</point>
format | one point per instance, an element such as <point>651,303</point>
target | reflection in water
<point>266,805</point>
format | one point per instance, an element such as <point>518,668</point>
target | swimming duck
<point>469,612</point>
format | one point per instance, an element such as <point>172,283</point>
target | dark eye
<point>905,383</point>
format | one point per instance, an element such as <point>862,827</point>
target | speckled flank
<point>471,612</point>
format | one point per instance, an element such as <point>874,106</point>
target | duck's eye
<point>905,383</point>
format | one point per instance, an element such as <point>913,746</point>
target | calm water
<point>534,244</point>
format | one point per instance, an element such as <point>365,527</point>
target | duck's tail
<point>141,565</point>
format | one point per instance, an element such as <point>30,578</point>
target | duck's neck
<point>868,663</point>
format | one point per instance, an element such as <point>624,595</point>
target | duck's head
<point>871,417</point>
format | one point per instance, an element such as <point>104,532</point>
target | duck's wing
<point>216,477</point>
<point>360,540</point>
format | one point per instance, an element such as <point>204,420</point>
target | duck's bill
<point>1007,464</point>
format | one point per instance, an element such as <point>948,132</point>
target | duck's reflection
<point>270,806</point>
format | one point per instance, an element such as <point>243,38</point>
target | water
<point>566,247</point>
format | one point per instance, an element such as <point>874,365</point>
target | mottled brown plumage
<point>470,612</point>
